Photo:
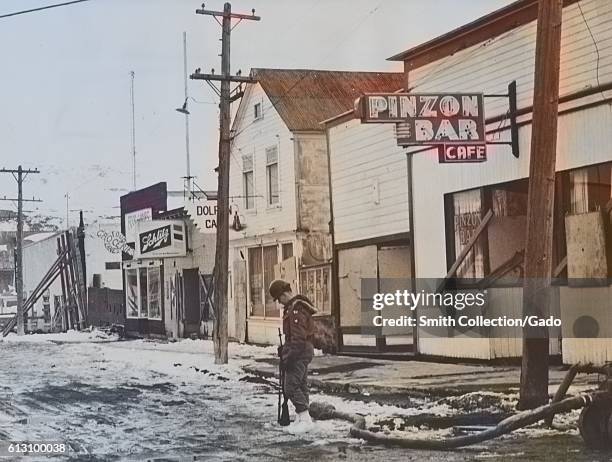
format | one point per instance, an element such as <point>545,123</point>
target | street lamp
<point>183,109</point>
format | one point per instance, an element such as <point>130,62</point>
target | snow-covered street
<point>145,400</point>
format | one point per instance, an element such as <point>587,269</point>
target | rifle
<point>283,410</point>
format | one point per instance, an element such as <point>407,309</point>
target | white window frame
<point>258,111</point>
<point>271,161</point>
<point>248,166</point>
<point>141,313</point>
<point>279,250</point>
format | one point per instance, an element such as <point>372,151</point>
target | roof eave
<point>465,30</point>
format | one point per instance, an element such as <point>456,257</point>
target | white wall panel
<point>365,157</point>
<point>253,137</point>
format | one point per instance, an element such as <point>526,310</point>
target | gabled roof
<point>304,97</point>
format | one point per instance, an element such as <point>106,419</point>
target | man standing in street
<point>297,352</point>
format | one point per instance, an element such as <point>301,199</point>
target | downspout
<point>335,296</point>
<point>296,173</point>
<point>415,331</point>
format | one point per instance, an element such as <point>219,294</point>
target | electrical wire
<point>274,101</point>
<point>586,23</point>
<point>32,10</point>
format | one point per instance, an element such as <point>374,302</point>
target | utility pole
<point>20,175</point>
<point>67,196</point>
<point>222,244</point>
<point>188,163</point>
<point>539,244</point>
<point>132,75</point>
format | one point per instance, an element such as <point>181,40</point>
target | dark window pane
<point>270,257</point>
<point>144,302</point>
<point>256,281</point>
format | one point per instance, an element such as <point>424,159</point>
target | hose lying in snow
<point>324,411</point>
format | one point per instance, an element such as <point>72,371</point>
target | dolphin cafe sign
<point>454,123</point>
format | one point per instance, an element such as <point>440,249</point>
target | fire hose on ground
<point>324,411</point>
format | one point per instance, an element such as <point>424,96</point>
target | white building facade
<point>497,49</point>
<point>279,183</point>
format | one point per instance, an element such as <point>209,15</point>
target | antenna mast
<point>133,132</point>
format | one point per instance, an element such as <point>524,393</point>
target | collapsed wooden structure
<point>69,268</point>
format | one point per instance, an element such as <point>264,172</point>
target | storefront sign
<point>462,153</point>
<point>204,215</point>
<point>161,238</point>
<point>452,121</point>
<point>131,220</point>
<point>115,242</point>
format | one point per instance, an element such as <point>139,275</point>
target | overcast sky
<point>65,93</point>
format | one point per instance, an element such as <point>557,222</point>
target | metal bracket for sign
<point>512,110</point>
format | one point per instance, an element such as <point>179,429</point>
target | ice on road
<point>147,400</point>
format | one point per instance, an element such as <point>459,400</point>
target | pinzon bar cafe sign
<point>454,122</point>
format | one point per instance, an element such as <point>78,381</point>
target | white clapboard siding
<point>581,135</point>
<point>491,65</point>
<point>253,137</point>
<point>362,158</point>
<point>582,138</point>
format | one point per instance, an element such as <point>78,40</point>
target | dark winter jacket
<point>298,327</point>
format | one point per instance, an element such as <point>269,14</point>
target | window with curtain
<point>131,288</point>
<point>154,292</point>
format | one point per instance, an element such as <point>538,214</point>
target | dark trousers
<point>296,386</point>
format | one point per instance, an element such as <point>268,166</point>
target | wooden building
<point>164,266</point>
<point>448,201</point>
<point>279,183</point>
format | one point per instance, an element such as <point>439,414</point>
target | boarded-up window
<point>466,218</point>
<point>507,230</point>
<point>256,281</point>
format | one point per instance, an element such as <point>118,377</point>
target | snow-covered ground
<point>148,400</point>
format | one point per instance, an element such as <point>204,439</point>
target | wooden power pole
<point>20,175</point>
<point>222,245</point>
<point>539,244</point>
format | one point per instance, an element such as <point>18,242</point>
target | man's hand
<point>280,351</point>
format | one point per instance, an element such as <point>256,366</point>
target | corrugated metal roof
<point>304,97</point>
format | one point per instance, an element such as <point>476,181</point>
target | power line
<point>586,23</point>
<point>32,10</point>
<point>278,98</point>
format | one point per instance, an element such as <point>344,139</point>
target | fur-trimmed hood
<point>304,301</point>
